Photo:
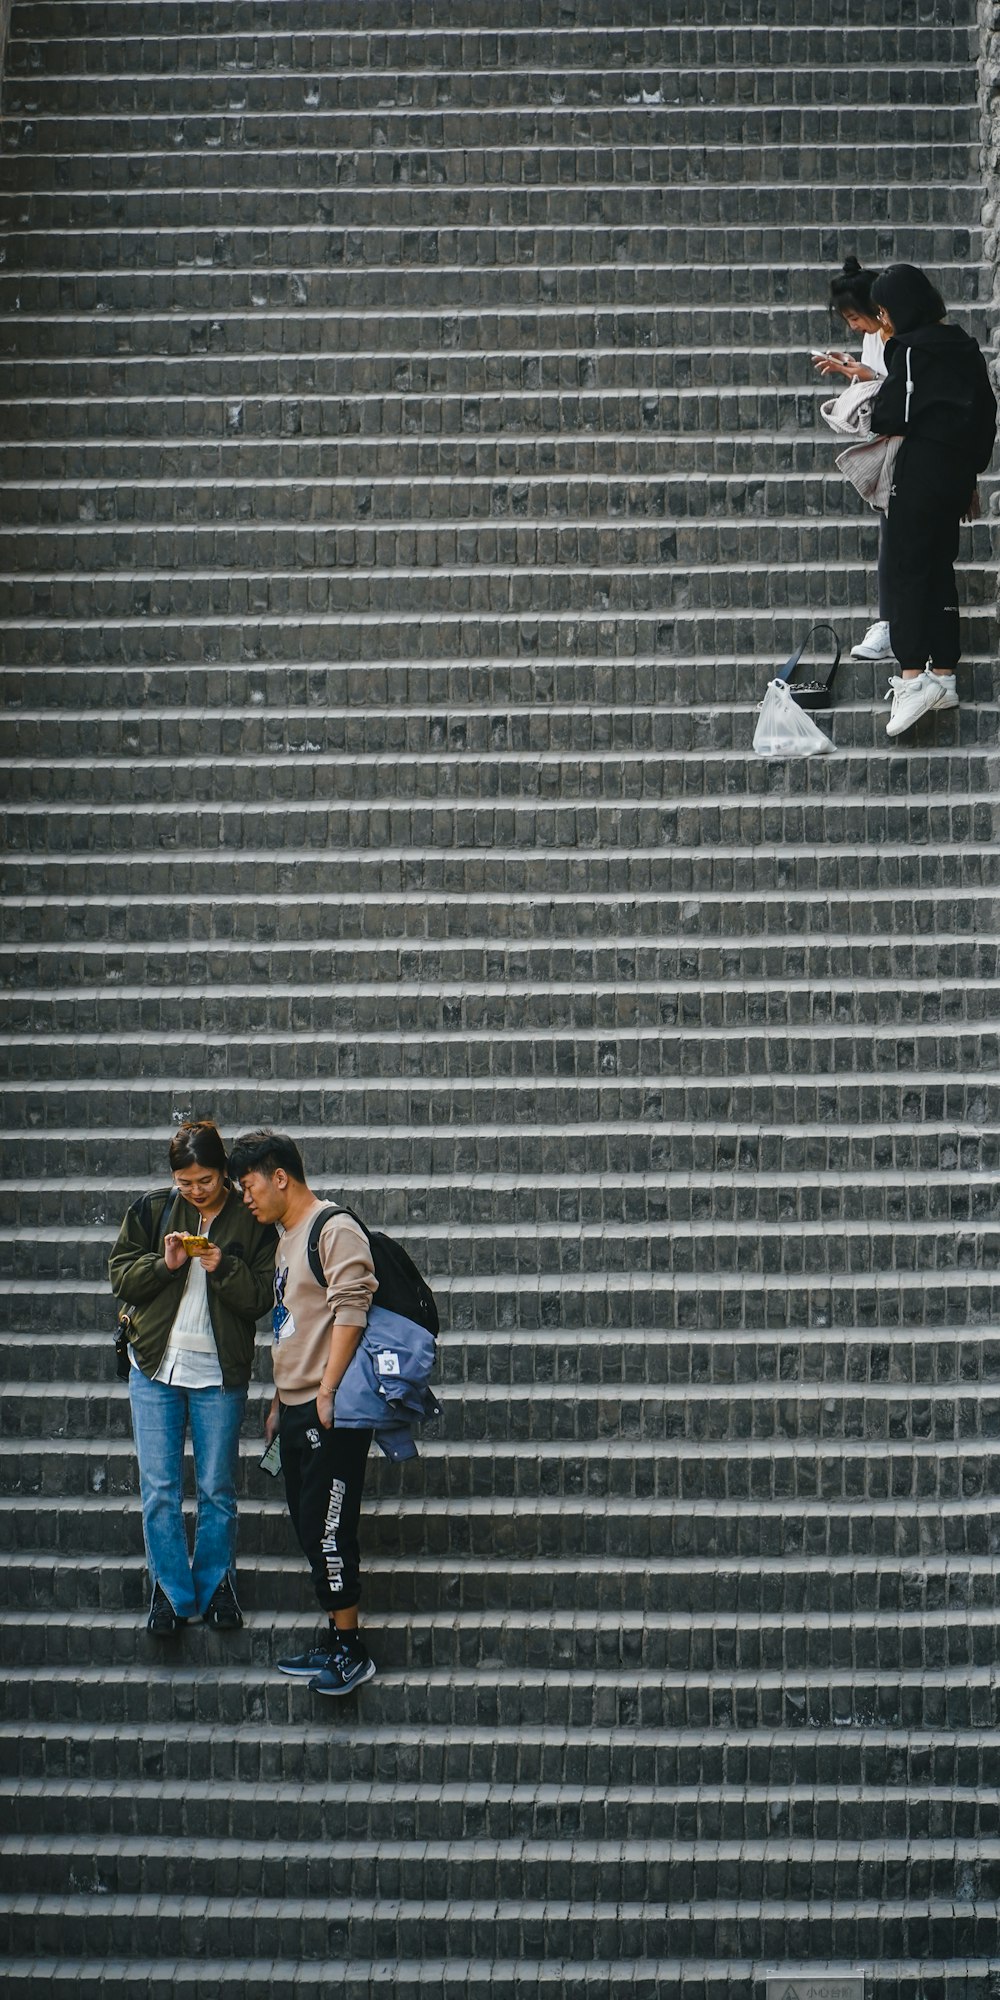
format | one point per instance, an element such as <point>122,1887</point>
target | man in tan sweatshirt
<point>316,1331</point>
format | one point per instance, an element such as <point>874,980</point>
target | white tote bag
<point>784,729</point>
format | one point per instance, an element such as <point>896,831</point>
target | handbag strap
<point>785,673</point>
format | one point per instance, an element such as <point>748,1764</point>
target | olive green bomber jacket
<point>238,1292</point>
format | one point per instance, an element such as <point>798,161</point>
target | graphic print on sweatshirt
<point>282,1322</point>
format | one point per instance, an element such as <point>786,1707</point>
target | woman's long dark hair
<point>908,297</point>
<point>199,1143</point>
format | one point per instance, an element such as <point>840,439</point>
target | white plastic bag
<point>784,729</point>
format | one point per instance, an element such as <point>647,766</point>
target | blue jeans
<point>160,1418</point>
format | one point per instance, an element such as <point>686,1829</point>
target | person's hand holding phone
<point>174,1253</point>
<point>834,364</point>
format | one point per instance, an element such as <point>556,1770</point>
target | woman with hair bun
<point>851,297</point>
<point>937,397</point>
<point>196,1271</point>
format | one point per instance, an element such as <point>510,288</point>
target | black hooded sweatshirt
<point>951,402</point>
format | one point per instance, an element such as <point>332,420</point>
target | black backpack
<point>402,1288</point>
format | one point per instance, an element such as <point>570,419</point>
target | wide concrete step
<point>596,545</point>
<point>934,1245</point>
<point>558,1699</point>
<point>730,980</point>
<point>664,410</point>
<point>843,1929</point>
<point>150,1809</point>
<point>908,1442</point>
<point>506,57</point>
<point>901,1363</point>
<point>442,186</point>
<point>455,1023</point>
<point>894,1459</point>
<point>158,17</point>
<point>501,456</point>
<point>318,773</point>
<point>111,637</point>
<point>676,702</point>
<point>792,1584</point>
<point>384,1866</point>
<point>372,226</point>
<point>937,1192</point>
<point>899,1295</point>
<point>403,1150</point>
<point>364,838</point>
<point>453,1530</point>
<point>778,329</point>
<point>517,1978</point>
<point>574,274</point>
<point>720,907</point>
<point>626,1012</point>
<point>411,504</point>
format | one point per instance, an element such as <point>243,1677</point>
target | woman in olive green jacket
<point>197,1272</point>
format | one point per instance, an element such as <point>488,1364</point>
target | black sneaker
<point>304,1665</point>
<point>346,1669</point>
<point>163,1621</point>
<point>223,1611</point>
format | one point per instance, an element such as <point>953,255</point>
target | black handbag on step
<point>811,694</point>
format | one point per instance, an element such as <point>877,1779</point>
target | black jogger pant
<point>931,490</point>
<point>324,1473</point>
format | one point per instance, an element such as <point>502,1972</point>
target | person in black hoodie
<point>937,397</point>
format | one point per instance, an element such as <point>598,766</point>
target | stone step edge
<point>943,1032</point>
<point>682,1450</point>
<point>409,1735</point>
<point>468,665</point>
<point>409,573</point>
<point>352,357</point>
<point>698,1229</point>
<point>535,1506</point>
<point>508,1182</point>
<point>556,1978</point>
<point>500,1848</point>
<point>767,617</point>
<point>536,309</point>
<point>513,899</point>
<point>513,989</point>
<point>819,1623</point>
<point>956,1128</point>
<point>604,1284</point>
<point>434,987</point>
<point>664,1568</point>
<point>959,65</point>
<point>248,1910</point>
<point>37,716</point>
<point>641,1340</point>
<point>372,764</point>
<point>627,1451</point>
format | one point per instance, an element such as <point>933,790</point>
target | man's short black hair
<point>264,1153</point>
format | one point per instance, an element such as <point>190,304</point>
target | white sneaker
<point>876,644</point>
<point>949,699</point>
<point>911,699</point>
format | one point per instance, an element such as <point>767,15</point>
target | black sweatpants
<point>931,490</point>
<point>324,1473</point>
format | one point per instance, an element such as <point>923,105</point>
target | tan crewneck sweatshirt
<point>302,1342</point>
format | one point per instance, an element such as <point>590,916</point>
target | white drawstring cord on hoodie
<point>909,386</point>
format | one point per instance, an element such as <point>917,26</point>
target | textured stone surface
<point>411,474</point>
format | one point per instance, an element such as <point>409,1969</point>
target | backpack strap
<point>157,1230</point>
<point>312,1248</point>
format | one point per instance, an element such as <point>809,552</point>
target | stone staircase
<point>411,473</point>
